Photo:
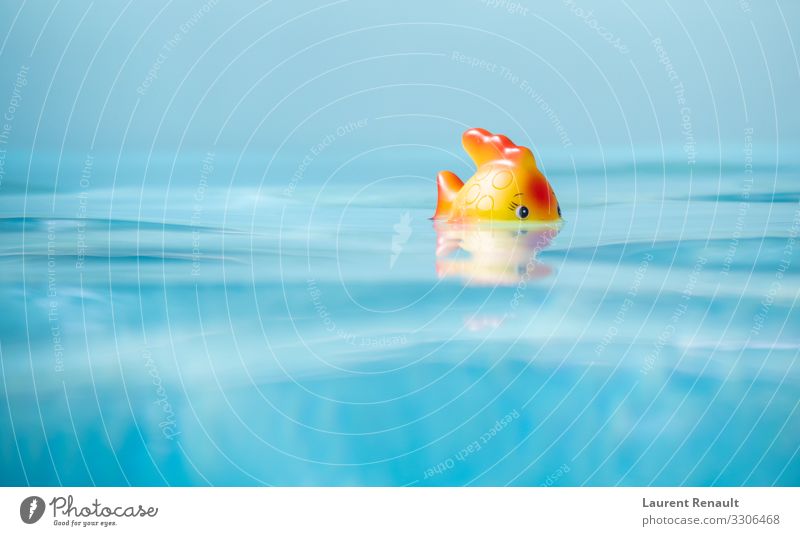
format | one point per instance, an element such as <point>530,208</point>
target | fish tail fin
<point>448,185</point>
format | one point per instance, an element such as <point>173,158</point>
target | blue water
<point>330,334</point>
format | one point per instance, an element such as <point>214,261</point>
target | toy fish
<point>507,185</point>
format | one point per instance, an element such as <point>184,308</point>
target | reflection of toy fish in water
<point>495,255</point>
<point>506,186</point>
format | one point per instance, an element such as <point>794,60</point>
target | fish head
<point>507,186</point>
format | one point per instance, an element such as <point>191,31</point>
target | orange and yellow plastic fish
<point>507,185</point>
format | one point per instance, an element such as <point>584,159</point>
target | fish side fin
<point>448,185</point>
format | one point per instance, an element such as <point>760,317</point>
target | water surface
<point>332,335</point>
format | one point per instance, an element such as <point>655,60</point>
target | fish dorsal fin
<point>448,185</point>
<point>484,147</point>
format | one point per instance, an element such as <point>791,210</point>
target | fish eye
<point>522,212</point>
